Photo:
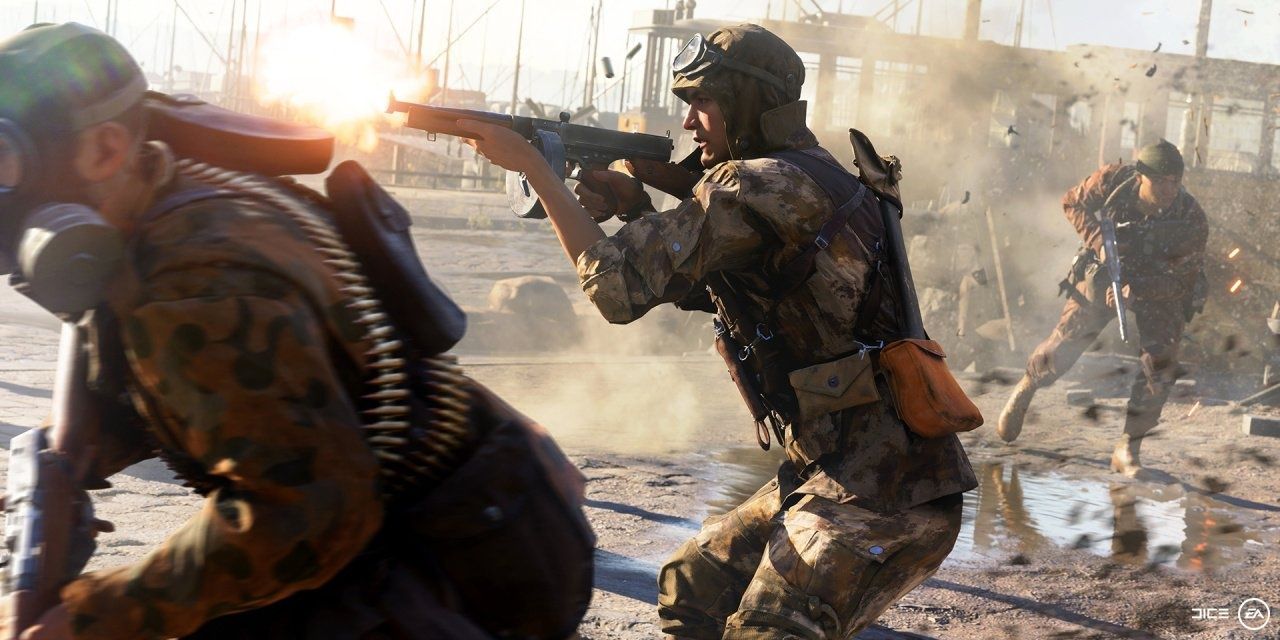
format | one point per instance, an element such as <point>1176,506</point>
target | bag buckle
<point>718,326</point>
<point>821,242</point>
<point>863,347</point>
<point>763,332</point>
<point>744,353</point>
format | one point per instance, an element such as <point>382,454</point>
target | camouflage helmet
<point>66,77</point>
<point>749,72</point>
<point>1160,159</point>
<point>55,81</point>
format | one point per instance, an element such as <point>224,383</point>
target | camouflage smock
<point>1162,255</point>
<point>227,319</point>
<point>748,218</point>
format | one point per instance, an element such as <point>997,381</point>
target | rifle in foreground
<point>571,148</point>
<point>48,515</point>
<point>1112,261</point>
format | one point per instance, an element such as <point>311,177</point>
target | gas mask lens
<point>11,168</point>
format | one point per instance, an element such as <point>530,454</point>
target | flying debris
<point>1012,131</point>
<point>1157,49</point>
<point>1151,71</point>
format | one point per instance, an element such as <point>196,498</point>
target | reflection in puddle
<point>1015,513</point>
<point>740,472</point>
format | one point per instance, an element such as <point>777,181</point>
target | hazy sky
<point>556,31</point>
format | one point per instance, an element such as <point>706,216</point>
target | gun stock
<point>48,514</point>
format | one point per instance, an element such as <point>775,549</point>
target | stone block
<point>1260,426</point>
<point>1080,398</point>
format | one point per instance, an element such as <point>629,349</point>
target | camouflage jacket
<point>230,322</point>
<point>1161,256</point>
<point>749,218</point>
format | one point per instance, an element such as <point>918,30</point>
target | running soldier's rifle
<point>1112,262</point>
<point>48,515</point>
<point>563,144</point>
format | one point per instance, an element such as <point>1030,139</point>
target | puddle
<point>1015,512</point>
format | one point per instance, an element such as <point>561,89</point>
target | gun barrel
<point>444,119</point>
<point>590,147</point>
<point>1124,329</point>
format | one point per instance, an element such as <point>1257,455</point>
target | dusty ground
<point>1054,545</point>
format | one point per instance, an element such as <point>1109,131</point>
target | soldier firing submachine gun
<point>565,146</point>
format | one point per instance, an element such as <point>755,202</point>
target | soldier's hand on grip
<point>667,177</point>
<point>605,193</point>
<point>1111,297</point>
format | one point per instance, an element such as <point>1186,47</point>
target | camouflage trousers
<point>816,570</point>
<point>1160,325</point>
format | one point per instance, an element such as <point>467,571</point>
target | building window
<point>1275,151</point>
<point>1004,114</point>
<point>844,96</point>
<point>1079,116</point>
<point>899,99</point>
<point>1176,124</point>
<point>1130,124</point>
<point>809,90</point>
<point>1235,134</point>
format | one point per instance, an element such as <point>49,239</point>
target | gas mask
<point>61,255</point>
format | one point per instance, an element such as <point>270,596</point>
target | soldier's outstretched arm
<point>652,260</point>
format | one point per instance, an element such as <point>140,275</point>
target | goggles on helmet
<point>700,56</point>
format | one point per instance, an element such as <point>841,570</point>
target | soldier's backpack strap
<point>846,193</point>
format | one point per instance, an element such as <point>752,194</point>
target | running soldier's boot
<point>1015,411</point>
<point>1124,459</point>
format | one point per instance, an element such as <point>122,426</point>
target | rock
<point>533,297</point>
<point>1184,389</point>
<point>1260,426</point>
<point>1080,398</point>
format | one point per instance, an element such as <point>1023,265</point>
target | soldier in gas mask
<point>232,330</point>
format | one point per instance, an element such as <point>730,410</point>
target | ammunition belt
<point>412,454</point>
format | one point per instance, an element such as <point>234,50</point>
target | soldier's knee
<point>696,593</point>
<point>774,609</point>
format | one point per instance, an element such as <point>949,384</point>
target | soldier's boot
<point>1015,411</point>
<point>1124,458</point>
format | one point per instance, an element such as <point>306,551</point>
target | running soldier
<point>1160,238</point>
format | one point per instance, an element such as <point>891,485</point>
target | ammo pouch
<point>832,386</point>
<point>1086,278</point>
<point>925,394</point>
<point>507,530</point>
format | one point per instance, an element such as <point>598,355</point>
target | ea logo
<point>1254,614</point>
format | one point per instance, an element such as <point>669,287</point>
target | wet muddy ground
<point>1053,545</point>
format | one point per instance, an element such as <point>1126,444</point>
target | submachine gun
<point>565,146</point>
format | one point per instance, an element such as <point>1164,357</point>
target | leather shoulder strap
<point>846,193</point>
